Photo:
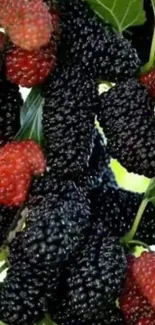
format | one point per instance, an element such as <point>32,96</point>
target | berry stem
<point>130,235</point>
<point>139,243</point>
<point>147,67</point>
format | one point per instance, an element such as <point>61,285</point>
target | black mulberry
<point>98,49</point>
<point>52,234</point>
<point>68,120</point>
<point>20,297</point>
<point>127,116</point>
<point>95,278</point>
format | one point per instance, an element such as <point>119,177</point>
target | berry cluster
<point>32,28</point>
<point>69,261</point>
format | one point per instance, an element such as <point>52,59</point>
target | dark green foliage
<point>127,115</point>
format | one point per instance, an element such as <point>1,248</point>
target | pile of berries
<point>63,216</point>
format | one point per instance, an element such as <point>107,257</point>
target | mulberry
<point>115,210</point>
<point>68,121</point>
<point>109,316</point>
<point>10,104</point>
<point>47,184</point>
<point>98,170</point>
<point>20,296</point>
<point>52,234</point>
<point>98,49</point>
<point>64,316</point>
<point>127,116</point>
<point>95,278</point>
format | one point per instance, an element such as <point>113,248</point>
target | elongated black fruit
<point>127,115</point>
<point>94,279</point>
<point>53,234</point>
<point>71,99</point>
<point>86,39</point>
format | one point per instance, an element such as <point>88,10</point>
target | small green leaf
<point>138,250</point>
<point>122,14</point>
<point>31,118</point>
<point>150,192</point>
<point>3,255</point>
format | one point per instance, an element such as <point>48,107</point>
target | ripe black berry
<point>53,233</point>
<point>86,39</point>
<point>94,279</point>
<point>127,116</point>
<point>71,100</point>
<point>20,297</point>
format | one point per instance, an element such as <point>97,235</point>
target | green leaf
<point>3,255</point>
<point>150,192</point>
<point>122,14</point>
<point>31,118</point>
<point>46,321</point>
<point>153,5</point>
